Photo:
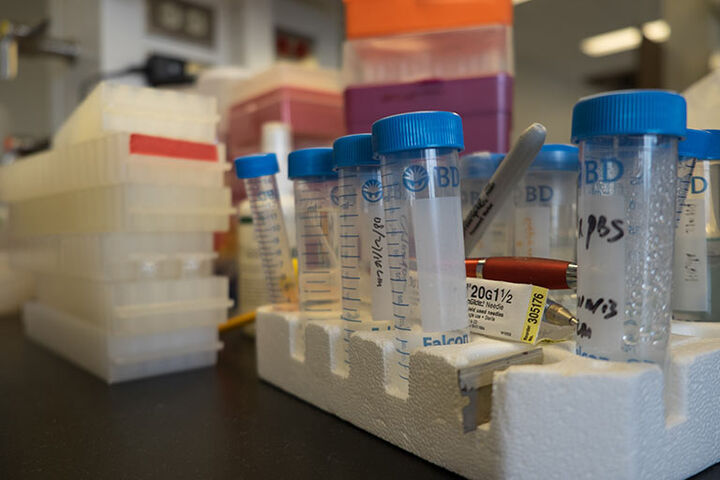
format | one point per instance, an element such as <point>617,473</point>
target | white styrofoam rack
<point>696,329</point>
<point>114,159</point>
<point>114,107</point>
<point>117,256</point>
<point>125,208</point>
<point>565,417</point>
<point>120,358</point>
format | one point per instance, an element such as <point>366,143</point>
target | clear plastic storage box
<point>412,55</point>
<point>125,208</point>
<point>138,306</point>
<point>118,256</point>
<point>120,358</point>
<point>116,222</point>
<point>111,160</point>
<point>308,100</point>
<point>125,108</point>
<point>15,287</point>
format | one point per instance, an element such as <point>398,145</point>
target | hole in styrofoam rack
<point>475,383</point>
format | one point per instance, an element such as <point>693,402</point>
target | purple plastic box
<point>484,103</point>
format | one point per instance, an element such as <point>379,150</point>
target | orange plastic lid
<point>372,18</point>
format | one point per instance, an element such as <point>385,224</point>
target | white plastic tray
<point>125,208</point>
<point>16,287</point>
<point>111,160</point>
<point>112,107</point>
<point>570,417</point>
<point>287,75</point>
<point>118,256</point>
<point>117,359</point>
<point>139,306</point>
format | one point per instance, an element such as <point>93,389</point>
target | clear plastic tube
<point>545,220</point>
<point>498,239</point>
<point>316,223</point>
<point>421,190</point>
<point>696,269</point>
<point>366,293</point>
<point>272,239</point>
<point>545,213</point>
<point>626,208</point>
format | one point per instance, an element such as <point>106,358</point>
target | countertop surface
<point>56,421</point>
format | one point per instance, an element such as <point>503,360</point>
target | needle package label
<point>509,311</point>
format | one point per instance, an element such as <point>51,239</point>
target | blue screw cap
<point>416,131</point>
<point>629,112</point>
<point>354,150</point>
<point>311,162</point>
<point>480,164</point>
<point>696,143</point>
<point>712,151</point>
<point>257,165</point>
<point>557,156</point>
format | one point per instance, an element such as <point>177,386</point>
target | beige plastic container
<point>111,160</point>
<point>151,111</point>
<point>118,256</point>
<point>138,307</point>
<point>120,358</point>
<point>125,208</point>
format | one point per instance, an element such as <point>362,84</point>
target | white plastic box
<point>118,256</point>
<point>125,208</point>
<point>125,108</point>
<point>138,307</point>
<point>111,160</point>
<point>120,358</point>
<point>308,100</point>
<point>284,75</point>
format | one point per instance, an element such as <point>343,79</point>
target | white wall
<point>125,40</point>
<point>687,52</point>
<point>252,35</point>
<point>323,22</point>
<point>113,36</point>
<point>78,20</point>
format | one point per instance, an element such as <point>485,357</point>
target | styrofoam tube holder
<point>119,358</point>
<point>570,417</point>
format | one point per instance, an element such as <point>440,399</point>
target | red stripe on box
<point>166,147</point>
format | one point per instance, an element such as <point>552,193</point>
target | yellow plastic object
<point>238,321</point>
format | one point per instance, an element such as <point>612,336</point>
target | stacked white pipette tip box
<point>117,223</point>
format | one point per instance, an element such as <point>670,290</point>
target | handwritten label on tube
<point>601,274</point>
<point>690,266</point>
